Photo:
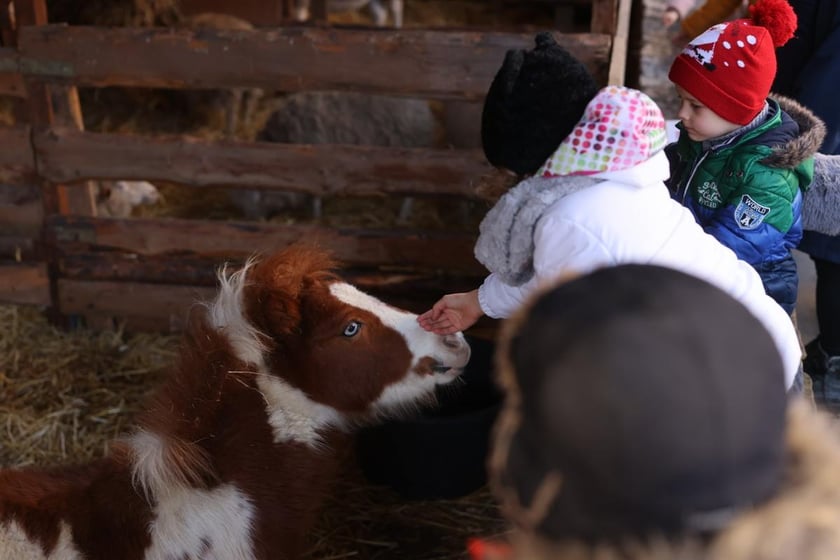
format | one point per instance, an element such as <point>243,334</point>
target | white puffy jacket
<point>629,217</point>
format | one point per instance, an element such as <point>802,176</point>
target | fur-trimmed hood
<point>821,204</point>
<point>802,522</point>
<point>805,144</point>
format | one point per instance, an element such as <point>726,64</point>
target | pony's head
<point>328,354</point>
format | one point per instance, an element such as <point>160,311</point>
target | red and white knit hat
<point>731,66</point>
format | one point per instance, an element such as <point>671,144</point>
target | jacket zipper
<point>696,165</point>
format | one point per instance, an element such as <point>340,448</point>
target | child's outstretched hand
<point>452,313</point>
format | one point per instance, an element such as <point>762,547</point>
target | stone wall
<point>657,53</point>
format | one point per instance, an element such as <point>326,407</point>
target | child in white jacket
<point>597,200</point>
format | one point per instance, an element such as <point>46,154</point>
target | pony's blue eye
<point>352,329</point>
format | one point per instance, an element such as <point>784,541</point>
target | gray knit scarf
<point>506,235</point>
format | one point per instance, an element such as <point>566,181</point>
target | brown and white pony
<point>233,456</point>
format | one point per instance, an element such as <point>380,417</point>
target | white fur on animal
<point>379,11</point>
<point>118,199</point>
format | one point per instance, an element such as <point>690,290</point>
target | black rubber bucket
<point>442,453</point>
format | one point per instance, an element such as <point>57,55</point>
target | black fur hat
<point>534,102</point>
<point>641,401</point>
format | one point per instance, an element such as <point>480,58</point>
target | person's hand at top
<point>452,313</point>
<point>670,16</point>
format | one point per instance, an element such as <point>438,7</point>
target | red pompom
<point>777,16</point>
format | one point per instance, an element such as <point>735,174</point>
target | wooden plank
<point>420,63</point>
<point>24,284</point>
<point>604,16</point>
<point>67,155</point>
<point>21,213</point>
<point>447,251</point>
<point>29,12</point>
<point>11,82</point>
<point>67,112</point>
<point>17,248</point>
<point>618,56</point>
<point>9,60</point>
<point>17,161</point>
<point>197,271</point>
<point>164,308</point>
<point>166,305</point>
<point>12,85</point>
<point>130,267</point>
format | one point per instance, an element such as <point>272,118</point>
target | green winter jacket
<point>746,191</point>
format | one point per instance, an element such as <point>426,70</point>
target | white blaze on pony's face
<point>435,359</point>
<point>328,355</point>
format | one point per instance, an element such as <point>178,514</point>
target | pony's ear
<point>272,300</point>
<point>276,286</point>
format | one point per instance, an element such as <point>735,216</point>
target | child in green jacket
<point>742,159</point>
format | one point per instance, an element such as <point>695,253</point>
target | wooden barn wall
<point>149,270</point>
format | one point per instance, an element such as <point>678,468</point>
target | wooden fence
<point>146,271</point>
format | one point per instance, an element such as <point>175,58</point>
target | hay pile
<point>65,394</point>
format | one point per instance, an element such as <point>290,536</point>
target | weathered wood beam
<point>11,82</point>
<point>422,63</point>
<point>17,164</point>
<point>67,155</point>
<point>109,266</point>
<point>604,14</point>
<point>165,307</point>
<point>24,284</point>
<point>161,306</point>
<point>431,250</point>
<point>618,54</point>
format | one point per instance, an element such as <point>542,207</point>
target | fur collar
<point>806,144</point>
<point>821,203</point>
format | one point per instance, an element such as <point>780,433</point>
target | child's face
<point>700,122</point>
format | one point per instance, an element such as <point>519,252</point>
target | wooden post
<point>618,52</point>
<point>48,106</point>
